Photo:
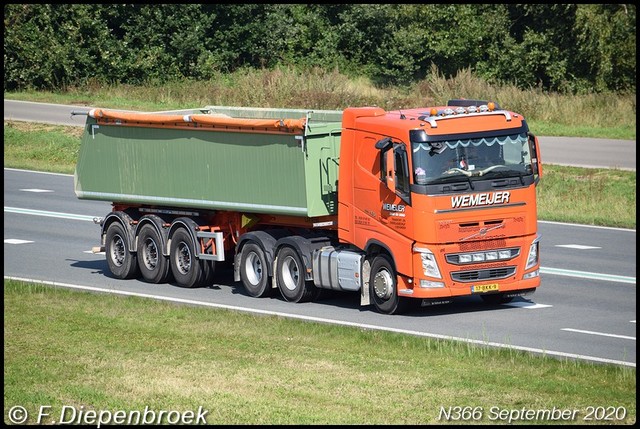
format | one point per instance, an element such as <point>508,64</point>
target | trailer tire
<point>384,287</point>
<point>254,271</point>
<point>154,266</point>
<point>122,263</point>
<point>290,272</point>
<point>186,268</point>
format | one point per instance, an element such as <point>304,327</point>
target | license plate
<point>484,288</point>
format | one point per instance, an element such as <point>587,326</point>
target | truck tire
<point>154,266</point>
<point>254,272</point>
<point>290,273</point>
<point>383,287</point>
<point>122,263</point>
<point>186,268</point>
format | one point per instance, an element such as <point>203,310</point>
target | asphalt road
<point>579,152</point>
<point>584,309</point>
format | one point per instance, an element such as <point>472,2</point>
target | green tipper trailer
<point>244,168</point>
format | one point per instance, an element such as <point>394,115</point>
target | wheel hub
<point>253,269</point>
<point>150,254</point>
<point>183,258</point>
<point>117,251</point>
<point>290,274</point>
<point>383,284</point>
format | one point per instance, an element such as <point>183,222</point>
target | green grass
<point>589,196</point>
<point>104,352</point>
<point>41,147</point>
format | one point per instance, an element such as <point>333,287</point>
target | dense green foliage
<point>570,48</point>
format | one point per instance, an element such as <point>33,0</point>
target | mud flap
<point>365,297</point>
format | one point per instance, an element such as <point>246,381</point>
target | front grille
<point>479,275</point>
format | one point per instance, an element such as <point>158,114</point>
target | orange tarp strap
<point>152,118</point>
<point>251,123</point>
<point>222,121</point>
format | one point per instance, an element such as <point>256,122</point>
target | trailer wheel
<point>290,274</point>
<point>122,263</point>
<point>154,266</point>
<point>253,271</point>
<point>383,287</point>
<point>186,268</point>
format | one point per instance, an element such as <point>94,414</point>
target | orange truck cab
<point>443,202</point>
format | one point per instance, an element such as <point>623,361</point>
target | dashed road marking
<point>577,246</point>
<point>625,337</point>
<point>36,190</point>
<point>16,241</point>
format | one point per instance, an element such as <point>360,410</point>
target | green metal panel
<point>321,170</point>
<point>219,170</point>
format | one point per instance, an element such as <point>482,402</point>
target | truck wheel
<point>122,263</point>
<point>496,299</point>
<point>383,287</point>
<point>290,273</point>
<point>186,268</point>
<point>154,266</point>
<point>253,271</point>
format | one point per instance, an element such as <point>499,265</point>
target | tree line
<point>568,48</point>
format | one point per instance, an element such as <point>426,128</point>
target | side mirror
<point>390,173</point>
<point>383,144</point>
<point>536,160</point>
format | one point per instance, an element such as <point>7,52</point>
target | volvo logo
<point>483,231</point>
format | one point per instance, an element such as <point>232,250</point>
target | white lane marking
<point>587,226</point>
<point>36,190</point>
<point>92,253</point>
<point>577,246</point>
<point>587,275</point>
<point>527,305</point>
<point>625,337</point>
<point>49,214</point>
<point>16,241</point>
<point>543,352</point>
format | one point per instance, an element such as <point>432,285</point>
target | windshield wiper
<point>509,172</point>
<point>466,173</point>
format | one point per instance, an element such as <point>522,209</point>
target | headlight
<point>429,264</point>
<point>532,259</point>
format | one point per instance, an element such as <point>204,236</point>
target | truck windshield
<point>487,157</point>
